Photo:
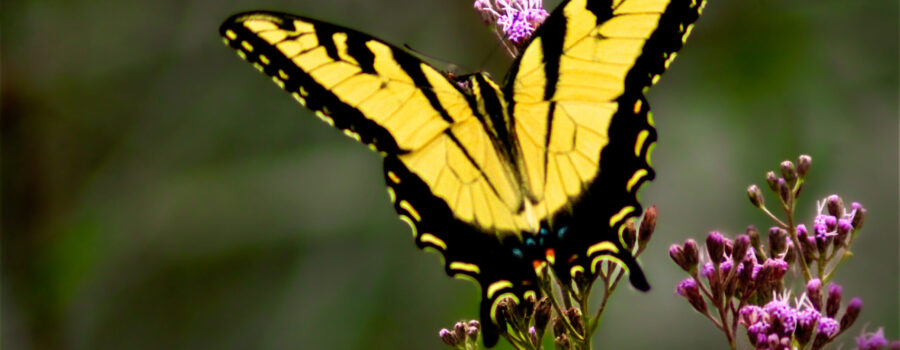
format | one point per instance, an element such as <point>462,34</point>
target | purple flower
<point>708,270</point>
<point>782,317</point>
<point>831,223</point>
<point>806,322</point>
<point>872,341</point>
<point>751,314</point>
<point>688,289</point>
<point>725,266</point>
<point>715,246</point>
<point>780,267</point>
<point>517,19</point>
<point>828,327</point>
<point>844,226</point>
<point>814,293</point>
<point>448,337</point>
<point>808,317</point>
<point>751,254</point>
<point>758,332</point>
<point>801,230</point>
<point>756,269</point>
<point>833,304</point>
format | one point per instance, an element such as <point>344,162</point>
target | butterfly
<point>502,178</point>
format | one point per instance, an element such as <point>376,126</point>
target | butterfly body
<point>501,179</point>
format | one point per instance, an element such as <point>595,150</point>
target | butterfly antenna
<point>451,67</point>
<point>488,57</point>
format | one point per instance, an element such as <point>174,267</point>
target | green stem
<point>773,217</point>
<point>555,303</point>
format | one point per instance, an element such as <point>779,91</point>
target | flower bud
<point>834,300</point>
<point>739,249</point>
<point>826,330</point>
<point>803,164</point>
<point>784,191</point>
<point>559,326</point>
<point>648,225</point>
<point>472,334</point>
<point>542,313</point>
<point>755,195</point>
<point>765,274</point>
<point>802,233</point>
<point>814,293</point>
<point>772,180</point>
<point>691,252</point>
<point>852,313</point>
<point>715,246</point>
<point>807,243</point>
<point>526,307</point>
<point>780,268</point>
<point>835,205</point>
<point>751,314</point>
<point>831,223</point>
<point>574,316</point>
<point>629,235</point>
<point>790,253</point>
<point>789,172</point>
<point>822,242</point>
<point>859,216</point>
<point>753,233</point>
<point>843,231</point>
<point>806,323</point>
<point>474,324</point>
<point>688,289</point>
<point>448,337</point>
<point>676,252</point>
<point>777,241</point>
<point>459,330</point>
<point>758,332</point>
<point>533,335</point>
<point>732,283</point>
<point>745,276</point>
<point>773,341</point>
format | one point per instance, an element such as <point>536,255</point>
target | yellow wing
<point>588,59</point>
<point>384,97</point>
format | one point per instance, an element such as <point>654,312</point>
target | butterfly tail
<point>635,273</point>
<point>490,331</point>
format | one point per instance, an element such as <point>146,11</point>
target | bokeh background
<point>160,193</point>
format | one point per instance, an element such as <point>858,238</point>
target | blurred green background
<point>160,193</point>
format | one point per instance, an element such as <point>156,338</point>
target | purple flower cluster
<point>832,227</point>
<point>745,278</point>
<point>777,324</point>
<point>732,269</point>
<point>517,19</point>
<point>875,341</point>
<point>462,336</point>
<point>743,272</point>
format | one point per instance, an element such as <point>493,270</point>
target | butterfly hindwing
<point>468,251</point>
